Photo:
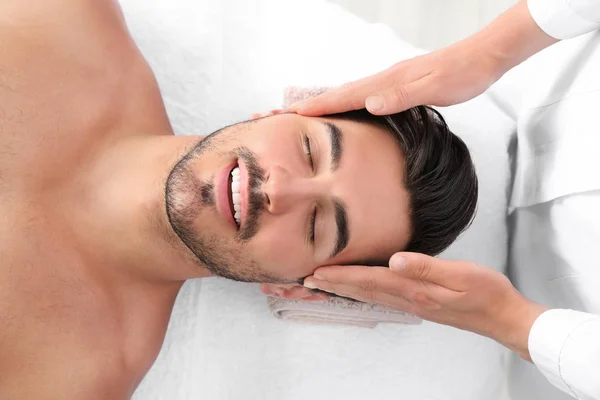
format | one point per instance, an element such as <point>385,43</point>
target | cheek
<point>279,248</point>
<point>271,146</point>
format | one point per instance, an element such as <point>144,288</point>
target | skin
<point>290,190</point>
<point>90,264</point>
<point>456,293</point>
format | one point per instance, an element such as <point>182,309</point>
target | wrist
<point>512,38</point>
<point>519,317</point>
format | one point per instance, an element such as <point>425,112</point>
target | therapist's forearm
<point>511,38</point>
<point>514,325</point>
<point>443,77</point>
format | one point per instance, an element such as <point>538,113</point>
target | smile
<point>231,193</point>
<point>235,200</point>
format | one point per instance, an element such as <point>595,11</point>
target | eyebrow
<point>335,139</point>
<point>341,215</point>
<point>341,221</point>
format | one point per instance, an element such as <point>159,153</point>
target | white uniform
<point>556,199</point>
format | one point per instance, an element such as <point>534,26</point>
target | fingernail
<point>375,103</point>
<point>317,275</point>
<point>309,284</point>
<point>397,262</point>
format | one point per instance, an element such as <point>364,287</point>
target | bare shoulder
<point>18,11</point>
<point>65,333</point>
<point>50,349</point>
<point>68,22</point>
<point>70,76</point>
<point>53,46</point>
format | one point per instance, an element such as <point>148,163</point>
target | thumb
<point>348,97</point>
<point>399,98</point>
<point>411,265</point>
<point>449,274</point>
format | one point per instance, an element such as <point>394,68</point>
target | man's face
<point>312,192</point>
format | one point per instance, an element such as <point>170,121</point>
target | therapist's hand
<point>461,294</point>
<point>441,78</point>
<point>444,77</point>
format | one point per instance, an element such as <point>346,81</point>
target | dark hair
<point>440,176</point>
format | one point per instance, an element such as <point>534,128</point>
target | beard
<point>186,197</point>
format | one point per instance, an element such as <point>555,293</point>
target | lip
<point>222,191</point>
<point>243,189</point>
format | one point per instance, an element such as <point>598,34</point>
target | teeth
<point>235,195</point>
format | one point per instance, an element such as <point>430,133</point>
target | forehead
<point>370,180</point>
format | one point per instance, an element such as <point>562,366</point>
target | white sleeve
<point>565,346</point>
<point>564,19</point>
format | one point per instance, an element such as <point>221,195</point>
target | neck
<point>123,210</point>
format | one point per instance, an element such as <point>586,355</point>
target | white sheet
<point>218,62</point>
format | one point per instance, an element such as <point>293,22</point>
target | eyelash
<point>312,226</point>
<point>308,152</point>
<point>313,219</point>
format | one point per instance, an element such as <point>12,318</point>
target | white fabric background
<point>429,24</point>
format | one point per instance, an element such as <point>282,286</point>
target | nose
<point>285,190</point>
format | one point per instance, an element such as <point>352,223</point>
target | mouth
<point>225,195</point>
<point>233,192</point>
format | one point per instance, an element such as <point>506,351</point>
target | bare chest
<point>65,333</point>
<point>68,89</point>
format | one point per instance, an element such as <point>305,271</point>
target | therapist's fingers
<point>402,86</point>
<point>453,275</point>
<point>371,284</point>
<point>380,94</point>
<point>348,97</point>
<point>401,97</point>
<point>267,114</point>
<point>394,301</point>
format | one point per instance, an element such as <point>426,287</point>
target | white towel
<point>337,311</point>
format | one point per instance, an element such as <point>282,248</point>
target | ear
<point>292,292</point>
<point>269,114</point>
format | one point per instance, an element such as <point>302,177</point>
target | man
<point>555,196</point>
<point>105,213</point>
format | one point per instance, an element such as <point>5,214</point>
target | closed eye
<point>313,220</point>
<point>308,152</point>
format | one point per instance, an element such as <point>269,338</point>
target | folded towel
<point>295,94</point>
<point>336,310</point>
